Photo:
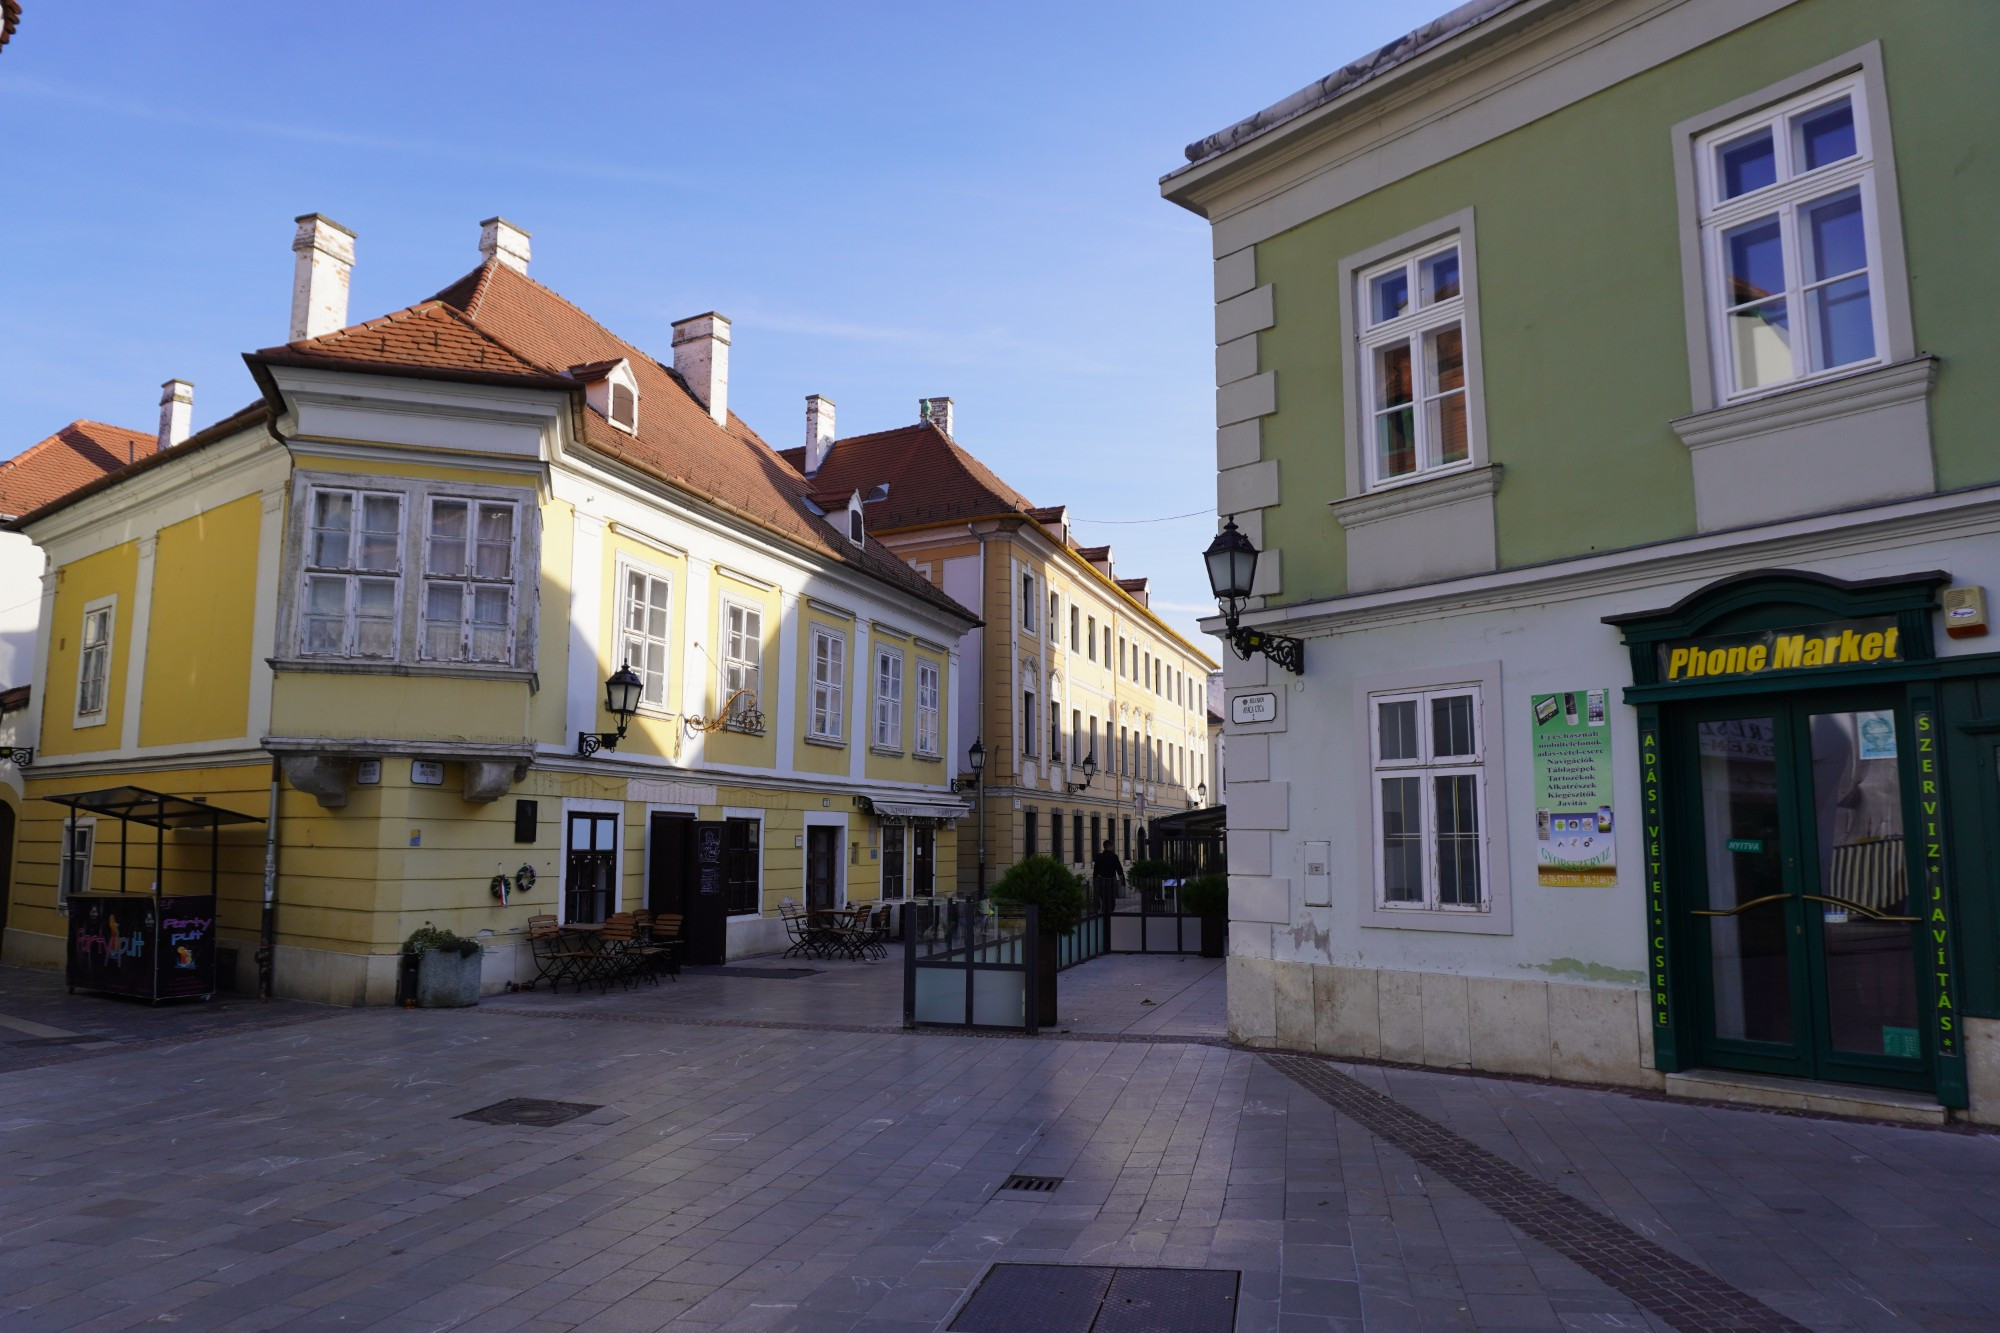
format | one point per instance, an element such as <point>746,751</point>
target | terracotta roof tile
<point>931,479</point>
<point>79,453</point>
<point>496,321</point>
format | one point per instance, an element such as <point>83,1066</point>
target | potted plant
<point>1057,894</point>
<point>447,967</point>
<point>1208,898</point>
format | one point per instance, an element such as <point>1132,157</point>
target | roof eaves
<point>1344,81</point>
<point>229,425</point>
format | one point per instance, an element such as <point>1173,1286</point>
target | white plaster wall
<point>20,607</point>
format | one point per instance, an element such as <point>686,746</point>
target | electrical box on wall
<point>1965,612</point>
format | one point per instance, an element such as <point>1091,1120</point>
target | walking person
<point>1107,873</point>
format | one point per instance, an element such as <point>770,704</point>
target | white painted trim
<point>1974,511</point>
<point>825,819</point>
<point>141,633</point>
<point>264,615</point>
<point>775,721</point>
<point>1427,490</point>
<point>586,603</point>
<point>624,564</point>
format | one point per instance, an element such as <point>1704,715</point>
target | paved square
<point>777,1155</point>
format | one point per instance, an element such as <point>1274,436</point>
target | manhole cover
<point>529,1111</point>
<point>1032,1184</point>
<point>1067,1298</point>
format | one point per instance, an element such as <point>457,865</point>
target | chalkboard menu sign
<point>154,947</point>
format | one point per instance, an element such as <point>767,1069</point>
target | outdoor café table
<point>830,926</point>
<point>587,935</point>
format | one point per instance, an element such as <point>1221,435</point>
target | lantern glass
<point>976,756</point>
<point>1090,766</point>
<point>622,691</point>
<point>1232,564</point>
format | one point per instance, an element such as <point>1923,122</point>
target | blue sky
<point>890,200</point>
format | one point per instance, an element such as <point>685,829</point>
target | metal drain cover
<point>1032,1184</point>
<point>529,1111</point>
<point>1066,1298</point>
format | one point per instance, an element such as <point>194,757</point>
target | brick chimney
<point>176,412</point>
<point>502,240</point>
<point>819,431</point>
<point>937,411</point>
<point>319,279</point>
<point>701,357</point>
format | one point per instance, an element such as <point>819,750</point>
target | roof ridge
<point>55,438</point>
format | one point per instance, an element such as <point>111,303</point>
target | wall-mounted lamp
<point>1232,569</point>
<point>621,700</point>
<point>1089,772</point>
<point>976,757</point>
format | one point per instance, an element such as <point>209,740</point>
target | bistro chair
<point>799,930</point>
<point>625,958</point>
<point>557,958</point>
<point>660,936</point>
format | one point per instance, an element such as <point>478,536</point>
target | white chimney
<point>176,412</point>
<point>819,431</point>
<point>937,411</point>
<point>319,279</point>
<point>502,240</point>
<point>701,357</point>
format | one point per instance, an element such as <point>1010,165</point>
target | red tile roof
<point>930,479</point>
<point>10,19</point>
<point>79,453</point>
<point>498,325</point>
<point>148,459</point>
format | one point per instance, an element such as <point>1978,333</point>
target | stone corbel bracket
<point>323,776</point>
<point>324,766</point>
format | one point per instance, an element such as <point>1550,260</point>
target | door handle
<point>1862,908</point>
<point>1740,907</point>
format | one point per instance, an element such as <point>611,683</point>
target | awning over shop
<point>915,812</point>
<point>152,808</point>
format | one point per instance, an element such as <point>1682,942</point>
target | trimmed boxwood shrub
<point>428,936</point>
<point>1047,884</point>
<point>1206,897</point>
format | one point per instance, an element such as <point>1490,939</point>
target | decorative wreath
<point>498,886</point>
<point>524,879</point>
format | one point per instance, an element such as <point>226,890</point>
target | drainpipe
<point>267,945</point>
<point>985,652</point>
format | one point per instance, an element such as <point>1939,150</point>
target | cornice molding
<point>1415,497</point>
<point>1809,404</point>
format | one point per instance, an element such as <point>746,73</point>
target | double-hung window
<point>93,662</point>
<point>893,837</point>
<point>1430,800</point>
<point>829,665</point>
<point>927,707</point>
<point>79,839</point>
<point>1055,732</point>
<point>889,698</point>
<point>643,633</point>
<point>1028,602</point>
<point>1075,629</point>
<point>352,594</point>
<point>742,660</point>
<point>1028,723</point>
<point>1789,242</point>
<point>1092,646</point>
<point>1412,349</point>
<point>468,606</point>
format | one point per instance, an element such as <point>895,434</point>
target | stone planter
<point>447,979</point>
<point>1048,952</point>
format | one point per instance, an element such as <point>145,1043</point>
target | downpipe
<point>268,929</point>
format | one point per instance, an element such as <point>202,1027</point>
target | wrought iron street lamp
<point>1232,570</point>
<point>621,700</point>
<point>1089,771</point>
<point>976,757</point>
<point>1201,794</point>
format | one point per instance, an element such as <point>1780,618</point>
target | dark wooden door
<point>822,868</point>
<point>707,924</point>
<point>669,863</point>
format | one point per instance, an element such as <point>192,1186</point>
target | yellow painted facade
<point>87,583</point>
<point>204,596</point>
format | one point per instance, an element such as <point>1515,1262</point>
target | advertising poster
<point>1574,846</point>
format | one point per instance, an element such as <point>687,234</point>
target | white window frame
<point>1028,603</point>
<point>1426,767</point>
<point>828,697</point>
<point>888,729</point>
<point>471,581</point>
<point>623,636</point>
<point>104,609</point>
<point>1412,330</point>
<point>738,672</point>
<point>351,574</point>
<point>1795,189</point>
<point>1494,914</point>
<point>66,883</point>
<point>1357,368</point>
<point>930,680</point>
<point>1031,722</point>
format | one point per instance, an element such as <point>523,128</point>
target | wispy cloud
<point>71,95</point>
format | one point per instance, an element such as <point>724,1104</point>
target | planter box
<point>447,979</point>
<point>1214,936</point>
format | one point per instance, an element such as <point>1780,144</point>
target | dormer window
<point>854,528</point>
<point>612,390</point>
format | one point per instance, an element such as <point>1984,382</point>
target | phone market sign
<point>1874,641</point>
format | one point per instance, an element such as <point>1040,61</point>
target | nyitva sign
<point>1800,648</point>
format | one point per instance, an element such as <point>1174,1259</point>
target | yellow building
<point>377,610</point>
<point>1071,664</point>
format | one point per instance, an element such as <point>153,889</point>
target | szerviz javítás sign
<point>1874,641</point>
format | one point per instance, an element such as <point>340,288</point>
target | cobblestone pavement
<point>746,1170</point>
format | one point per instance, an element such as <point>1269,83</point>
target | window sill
<point>828,741</point>
<point>1415,496</point>
<point>369,666</point>
<point>94,720</point>
<point>887,751</point>
<point>1809,404</point>
<point>1470,921</point>
<point>923,758</point>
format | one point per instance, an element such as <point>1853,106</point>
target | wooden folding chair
<point>625,957</point>
<point>556,959</point>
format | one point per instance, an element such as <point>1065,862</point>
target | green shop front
<point>1819,801</point>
